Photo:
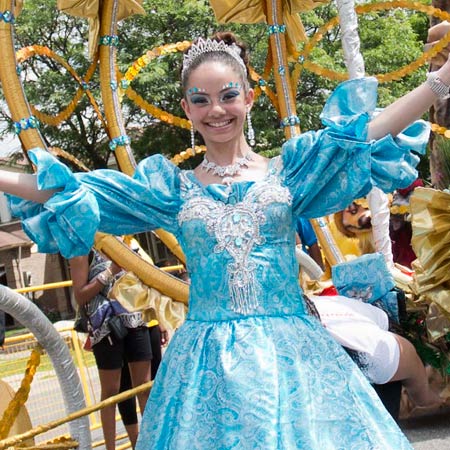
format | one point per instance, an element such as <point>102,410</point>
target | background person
<point>92,277</point>
<point>381,355</point>
<point>308,240</point>
<point>127,408</point>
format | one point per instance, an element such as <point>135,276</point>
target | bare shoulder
<point>260,161</point>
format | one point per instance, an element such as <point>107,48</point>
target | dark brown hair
<point>229,38</point>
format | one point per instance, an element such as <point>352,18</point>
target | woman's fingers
<point>438,31</point>
<point>441,57</point>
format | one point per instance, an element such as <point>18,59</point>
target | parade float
<point>288,57</point>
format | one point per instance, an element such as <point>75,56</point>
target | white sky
<point>9,145</point>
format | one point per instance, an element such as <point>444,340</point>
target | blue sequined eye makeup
<point>229,95</point>
<point>198,96</point>
<point>199,99</point>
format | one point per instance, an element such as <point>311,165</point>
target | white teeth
<point>219,124</point>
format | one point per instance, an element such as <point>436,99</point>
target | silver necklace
<point>226,171</point>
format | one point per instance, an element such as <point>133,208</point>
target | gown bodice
<point>239,243</point>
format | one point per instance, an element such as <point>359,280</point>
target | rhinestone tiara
<point>208,46</point>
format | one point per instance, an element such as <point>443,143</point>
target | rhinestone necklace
<point>226,171</point>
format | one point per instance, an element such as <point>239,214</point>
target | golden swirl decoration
<point>436,128</point>
<point>160,114</point>
<point>188,153</point>
<point>145,59</point>
<point>430,218</point>
<point>135,69</point>
<point>27,52</point>
<point>11,412</point>
<point>362,9</point>
<point>399,209</point>
<point>59,443</point>
<point>59,152</point>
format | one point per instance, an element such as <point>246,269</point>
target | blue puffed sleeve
<point>101,200</point>
<point>327,169</point>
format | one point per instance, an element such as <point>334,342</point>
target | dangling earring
<point>250,130</point>
<point>192,137</point>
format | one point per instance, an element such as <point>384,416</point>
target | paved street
<point>430,432</point>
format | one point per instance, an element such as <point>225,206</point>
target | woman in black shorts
<point>127,408</point>
<point>92,277</point>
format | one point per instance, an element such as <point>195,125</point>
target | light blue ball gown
<point>249,369</point>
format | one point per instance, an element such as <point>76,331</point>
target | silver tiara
<point>207,46</point>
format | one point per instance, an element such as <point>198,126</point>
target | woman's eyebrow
<point>196,90</point>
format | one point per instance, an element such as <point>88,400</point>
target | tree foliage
<point>389,40</point>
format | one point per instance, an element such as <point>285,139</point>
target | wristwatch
<point>441,89</point>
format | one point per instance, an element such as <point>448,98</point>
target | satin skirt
<point>262,382</point>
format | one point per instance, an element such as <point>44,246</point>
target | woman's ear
<point>249,99</point>
<point>185,106</point>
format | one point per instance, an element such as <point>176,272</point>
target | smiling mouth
<point>219,124</point>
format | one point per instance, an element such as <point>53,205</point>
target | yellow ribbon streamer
<point>135,296</point>
<point>90,9</point>
<point>430,218</point>
<point>253,11</point>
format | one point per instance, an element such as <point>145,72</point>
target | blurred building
<point>22,266</point>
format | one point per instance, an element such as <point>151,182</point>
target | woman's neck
<point>238,161</point>
<point>227,153</point>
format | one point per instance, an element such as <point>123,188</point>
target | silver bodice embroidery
<point>236,228</point>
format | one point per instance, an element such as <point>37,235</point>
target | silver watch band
<point>438,86</point>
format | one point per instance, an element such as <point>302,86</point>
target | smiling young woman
<point>250,368</point>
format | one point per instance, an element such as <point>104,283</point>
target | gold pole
<point>283,83</point>
<point>277,43</point>
<point>148,273</point>
<point>113,111</point>
<point>44,287</point>
<point>12,86</point>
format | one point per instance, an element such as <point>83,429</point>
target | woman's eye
<point>230,95</point>
<point>199,100</point>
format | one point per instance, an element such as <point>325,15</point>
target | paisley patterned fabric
<point>368,279</point>
<point>249,369</point>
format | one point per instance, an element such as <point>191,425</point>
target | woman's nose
<point>216,108</point>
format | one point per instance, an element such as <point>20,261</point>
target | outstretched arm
<point>408,108</point>
<point>24,186</point>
